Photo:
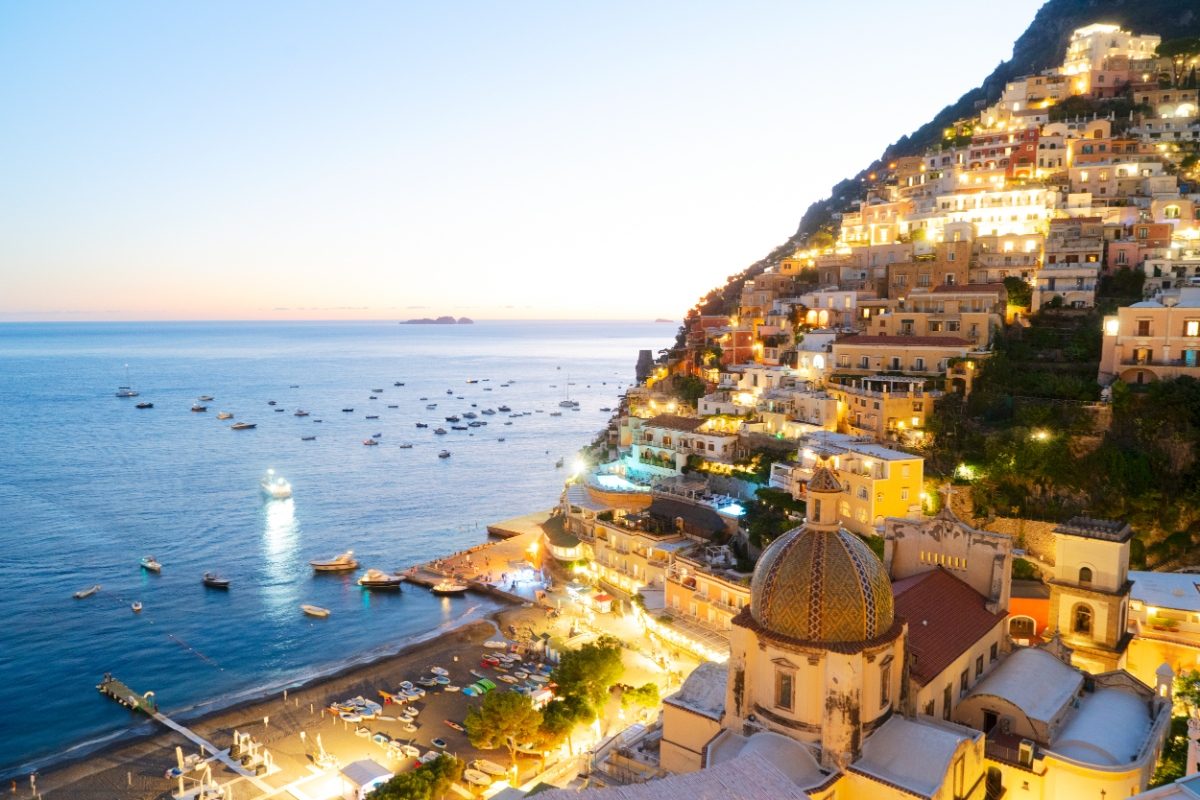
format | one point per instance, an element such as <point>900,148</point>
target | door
<point>989,720</point>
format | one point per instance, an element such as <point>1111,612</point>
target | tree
<point>1019,292</point>
<point>428,782</point>
<point>505,719</point>
<point>590,671</point>
<point>561,716</point>
<point>645,696</point>
<point>1180,51</point>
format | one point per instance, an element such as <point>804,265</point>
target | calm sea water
<point>89,484</point>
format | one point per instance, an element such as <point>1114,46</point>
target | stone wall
<point>1035,537</point>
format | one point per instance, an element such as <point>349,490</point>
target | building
<point>882,407</point>
<point>1154,339</point>
<point>667,440</point>
<point>1089,594</point>
<point>864,354</point>
<point>1164,616</point>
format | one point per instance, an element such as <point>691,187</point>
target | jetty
<point>115,689</point>
<point>529,523</point>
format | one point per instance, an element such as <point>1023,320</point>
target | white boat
<point>488,767</point>
<point>224,415</point>
<point>494,645</point>
<point>149,563</point>
<point>378,579</point>
<point>314,611</point>
<point>136,606</point>
<point>444,454</point>
<point>88,592</point>
<point>476,777</point>
<point>275,486</point>
<point>342,563</point>
<point>126,391</point>
<point>448,587</point>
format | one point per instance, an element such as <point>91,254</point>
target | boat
<point>605,408</point>
<point>126,391</point>
<point>372,397</point>
<point>294,386</point>
<point>214,581</point>
<point>459,427</point>
<point>280,410</point>
<point>243,426</point>
<point>556,413</point>
<point>505,409</point>
<point>224,415</point>
<point>455,725</point>
<point>343,563</point>
<point>199,408</point>
<point>377,391</point>
<point>488,767</point>
<point>558,464</point>
<point>145,404</point>
<point>439,743</point>
<point>470,415</point>
<point>397,383</point>
<point>136,606</point>
<point>205,398</point>
<point>440,431</point>
<point>488,411</point>
<point>299,412</point>
<point>372,416</point>
<point>271,402</point>
<point>391,406</point>
<point>370,442</point>
<point>444,454</point>
<point>452,418</point>
<point>448,587</point>
<point>148,563</point>
<point>314,611</point>
<point>88,592</point>
<point>308,438</point>
<point>406,445</point>
<point>275,486</point>
<point>347,410</point>
<point>378,579</point>
<point>422,424</point>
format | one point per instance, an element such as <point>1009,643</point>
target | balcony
<point>721,605</point>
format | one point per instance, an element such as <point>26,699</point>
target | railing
<point>722,605</point>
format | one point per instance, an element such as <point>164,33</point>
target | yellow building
<point>917,355</point>
<point>703,594</point>
<point>880,482</point>
<point>882,407</point>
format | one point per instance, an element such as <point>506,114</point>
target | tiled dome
<point>821,584</point>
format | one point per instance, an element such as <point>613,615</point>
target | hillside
<point>1040,46</point>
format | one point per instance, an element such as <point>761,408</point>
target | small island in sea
<point>660,319</point>
<point>439,321</point>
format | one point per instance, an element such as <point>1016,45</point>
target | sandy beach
<point>136,769</point>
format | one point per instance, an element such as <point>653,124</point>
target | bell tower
<point>1089,595</point>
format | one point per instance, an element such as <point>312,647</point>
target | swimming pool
<point>616,483</point>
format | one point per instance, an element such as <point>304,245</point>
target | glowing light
<point>1112,326</point>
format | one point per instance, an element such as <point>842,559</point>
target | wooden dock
<point>111,687</point>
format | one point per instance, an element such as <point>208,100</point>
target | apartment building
<point>863,354</point>
<point>1153,340</point>
<point>882,407</point>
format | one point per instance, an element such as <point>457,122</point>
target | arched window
<point>1021,627</point>
<point>1085,575</point>
<point>1082,619</point>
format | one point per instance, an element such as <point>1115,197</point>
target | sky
<point>528,160</point>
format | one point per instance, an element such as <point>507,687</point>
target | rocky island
<point>439,321</point>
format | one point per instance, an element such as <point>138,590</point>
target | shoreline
<point>129,751</point>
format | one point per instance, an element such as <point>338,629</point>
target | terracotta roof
<point>989,288</point>
<point>945,616</point>
<point>674,422</point>
<point>903,341</point>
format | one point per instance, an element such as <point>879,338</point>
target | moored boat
<point>448,587</point>
<point>242,426</point>
<point>88,592</point>
<point>342,563</point>
<point>149,563</point>
<point>199,408</point>
<point>370,442</point>
<point>214,581</point>
<point>488,767</point>
<point>145,404</point>
<point>224,415</point>
<point>444,454</point>
<point>136,606</point>
<point>299,412</point>
<point>378,579</point>
<point>275,486</point>
<point>205,398</point>
<point>314,611</point>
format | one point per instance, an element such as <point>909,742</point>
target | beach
<point>136,769</point>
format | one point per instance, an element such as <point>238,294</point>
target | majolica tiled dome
<point>820,583</point>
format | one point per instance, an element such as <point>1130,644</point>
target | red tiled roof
<point>675,422</point>
<point>904,341</point>
<point>946,617</point>
<point>970,287</point>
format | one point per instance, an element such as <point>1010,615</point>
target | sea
<point>89,485</point>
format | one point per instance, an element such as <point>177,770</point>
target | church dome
<point>821,583</point>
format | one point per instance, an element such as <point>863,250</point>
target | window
<point>784,686</point>
<point>1082,619</point>
<point>885,685</point>
<point>947,695</point>
<point>919,364</point>
<point>994,653</point>
<point>978,667</point>
<point>964,681</point>
<point>904,494</point>
<point>864,363</point>
<point>1085,575</point>
<point>1021,627</point>
<point>1143,327</point>
<point>1191,327</point>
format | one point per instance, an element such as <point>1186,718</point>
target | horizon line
<point>657,320</point>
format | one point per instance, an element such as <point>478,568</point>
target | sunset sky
<point>292,160</point>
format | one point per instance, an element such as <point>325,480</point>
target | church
<point>845,681</point>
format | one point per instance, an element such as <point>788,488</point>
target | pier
<point>509,528</point>
<point>111,687</point>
